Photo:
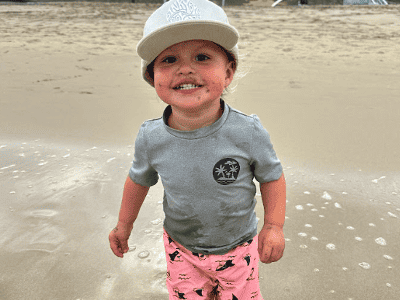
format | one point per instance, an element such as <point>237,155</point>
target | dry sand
<point>324,83</point>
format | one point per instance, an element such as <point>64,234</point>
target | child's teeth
<point>187,86</point>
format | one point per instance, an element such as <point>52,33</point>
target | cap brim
<point>153,44</point>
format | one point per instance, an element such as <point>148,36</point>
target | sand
<point>324,82</point>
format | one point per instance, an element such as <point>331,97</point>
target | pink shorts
<point>193,276</point>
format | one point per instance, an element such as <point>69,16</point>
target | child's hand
<point>119,239</point>
<point>271,243</point>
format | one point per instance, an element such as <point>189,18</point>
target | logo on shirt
<point>226,171</point>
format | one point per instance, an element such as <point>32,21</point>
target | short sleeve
<point>265,164</point>
<point>141,171</point>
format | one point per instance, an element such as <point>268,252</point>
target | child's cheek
<point>160,82</point>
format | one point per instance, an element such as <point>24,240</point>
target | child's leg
<point>187,276</point>
<point>237,272</point>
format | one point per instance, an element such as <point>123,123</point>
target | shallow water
<point>60,202</point>
<point>58,206</point>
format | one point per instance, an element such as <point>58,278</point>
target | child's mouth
<point>188,88</point>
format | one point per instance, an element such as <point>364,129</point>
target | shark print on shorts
<point>233,275</point>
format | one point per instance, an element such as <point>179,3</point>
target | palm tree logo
<point>226,171</point>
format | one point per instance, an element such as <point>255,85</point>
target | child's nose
<point>186,67</point>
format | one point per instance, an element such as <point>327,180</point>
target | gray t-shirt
<point>207,176</point>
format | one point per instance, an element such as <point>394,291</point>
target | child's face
<point>196,61</point>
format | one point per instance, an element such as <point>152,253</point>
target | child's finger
<point>124,246</point>
<point>260,247</point>
<point>115,246</point>
<point>266,254</point>
<point>277,253</point>
<point>116,250</point>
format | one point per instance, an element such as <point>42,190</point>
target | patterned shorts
<point>232,276</point>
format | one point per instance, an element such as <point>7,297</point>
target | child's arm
<point>271,241</point>
<point>273,195</point>
<point>132,199</point>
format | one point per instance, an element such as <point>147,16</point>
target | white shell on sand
<point>331,247</point>
<point>326,196</point>
<point>380,241</point>
<point>365,265</point>
<point>144,254</point>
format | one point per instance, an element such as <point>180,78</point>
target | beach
<point>324,83</point>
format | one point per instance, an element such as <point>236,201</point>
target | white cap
<point>182,20</point>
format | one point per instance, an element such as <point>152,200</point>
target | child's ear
<point>230,72</point>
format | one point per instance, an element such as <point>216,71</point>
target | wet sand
<point>324,83</point>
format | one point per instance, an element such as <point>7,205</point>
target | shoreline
<point>326,64</point>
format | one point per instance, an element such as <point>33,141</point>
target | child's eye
<point>202,57</point>
<point>169,59</point>
<point>172,59</point>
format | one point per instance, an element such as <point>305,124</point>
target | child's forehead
<point>192,44</point>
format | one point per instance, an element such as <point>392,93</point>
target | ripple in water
<point>43,213</point>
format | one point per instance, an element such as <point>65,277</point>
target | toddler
<point>206,154</point>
